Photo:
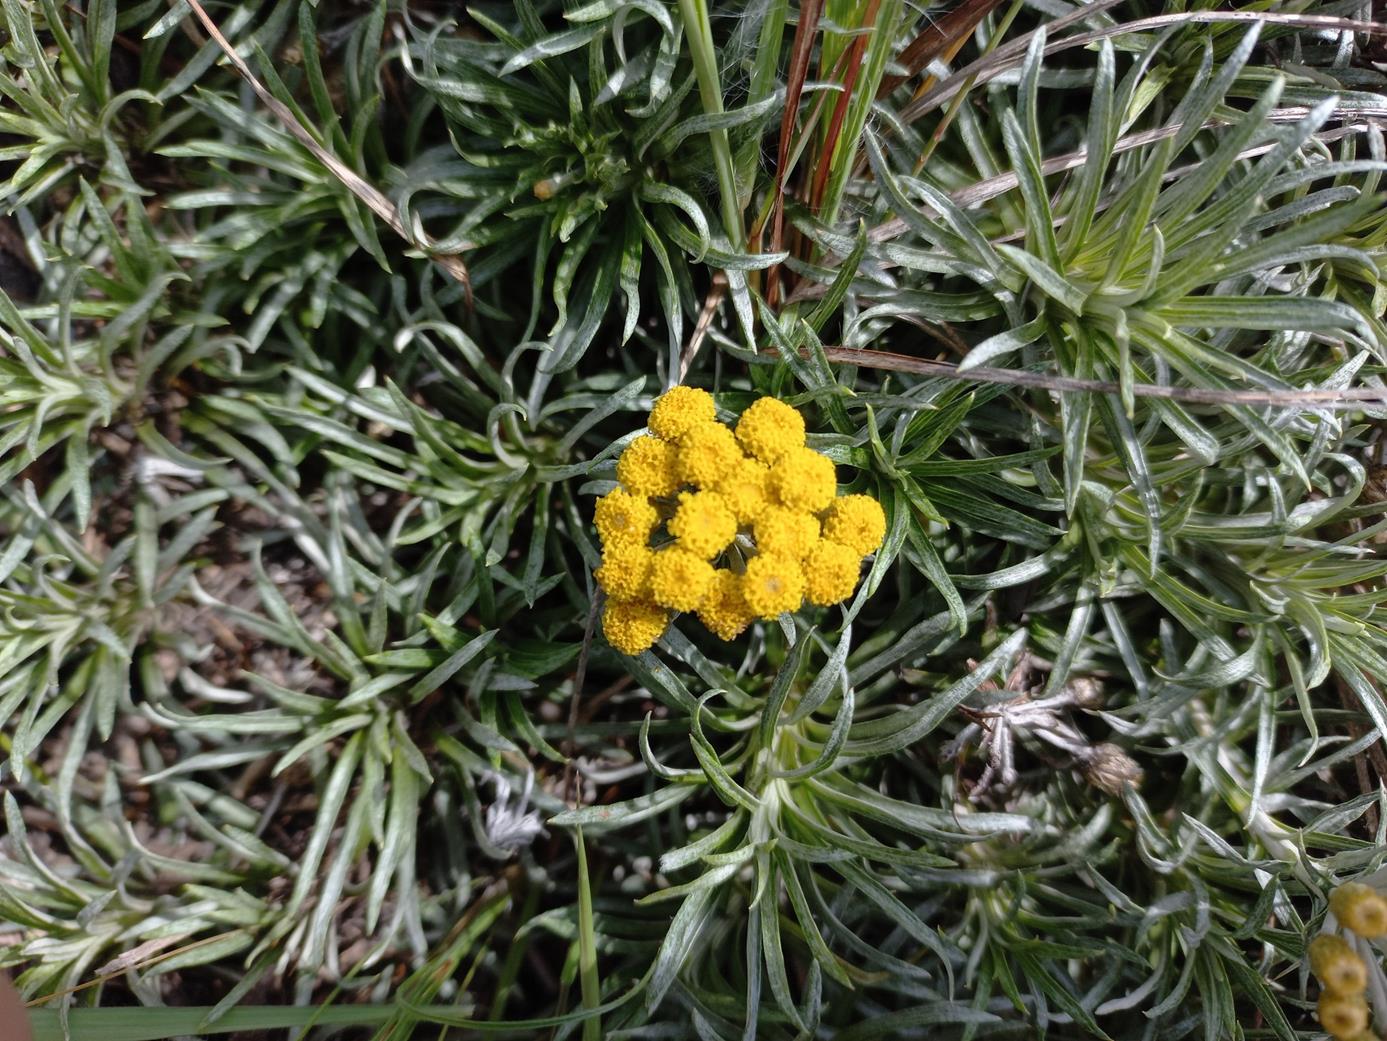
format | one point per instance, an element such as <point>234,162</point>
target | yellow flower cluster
<point>754,522</point>
<point>1342,970</point>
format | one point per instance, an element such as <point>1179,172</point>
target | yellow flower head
<point>769,429</point>
<point>856,521</point>
<point>632,626</point>
<point>704,524</point>
<point>761,482</point>
<point>780,529</point>
<point>646,467</point>
<point>707,453</point>
<point>621,517</point>
<point>1343,1017</point>
<point>830,573</point>
<point>802,479</point>
<point>1360,909</point>
<point>725,611</point>
<point>625,570</point>
<point>772,585</point>
<point>679,410</point>
<point>746,488</point>
<point>1338,965</point>
<point>679,579</point>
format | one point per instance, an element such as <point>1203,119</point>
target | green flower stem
<point>587,944</point>
<point>700,35</point>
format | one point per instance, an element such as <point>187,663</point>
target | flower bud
<point>1360,909</point>
<point>1338,966</point>
<point>1343,1017</point>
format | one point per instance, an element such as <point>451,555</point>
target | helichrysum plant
<point>1000,653</point>
<point>734,523</point>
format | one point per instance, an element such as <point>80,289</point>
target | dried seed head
<point>1085,692</point>
<point>1110,768</point>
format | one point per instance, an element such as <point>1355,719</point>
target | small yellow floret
<point>856,521</point>
<point>1360,909</point>
<point>1338,965</point>
<point>632,626</point>
<point>772,585</point>
<point>647,467</point>
<point>679,579</point>
<point>621,517</point>
<point>704,524</point>
<point>679,410</point>
<point>780,529</point>
<point>802,479</point>
<point>830,573</point>
<point>1343,1016</point>
<point>625,571</point>
<point>707,453</point>
<point>725,611</point>
<point>746,487</point>
<point>769,429</point>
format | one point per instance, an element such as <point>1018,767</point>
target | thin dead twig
<point>705,320</point>
<point>801,51</point>
<point>1373,757</point>
<point>1349,398</point>
<point>354,183</point>
<point>853,59</point>
<point>939,37</point>
<point>141,957</point>
<point>988,68</point>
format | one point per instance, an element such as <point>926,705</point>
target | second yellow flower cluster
<point>1341,970</point>
<point>754,522</point>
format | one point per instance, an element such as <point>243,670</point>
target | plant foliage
<point>306,720</point>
